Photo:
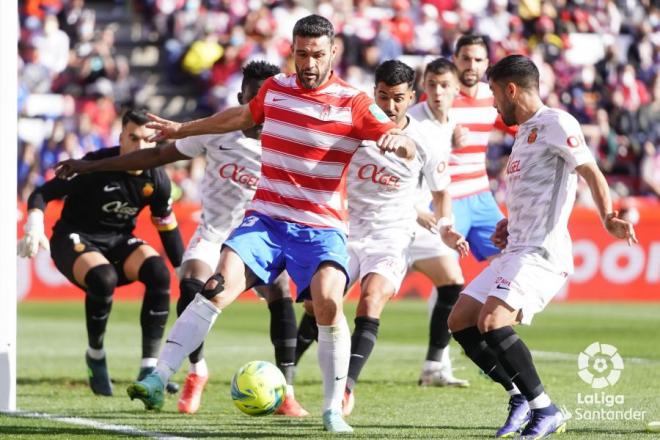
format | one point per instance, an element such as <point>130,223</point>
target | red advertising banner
<point>605,269</point>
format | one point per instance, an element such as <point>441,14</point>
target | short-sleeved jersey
<point>467,165</point>
<point>438,135</point>
<point>233,167</point>
<point>109,201</point>
<point>541,184</point>
<point>382,188</point>
<point>308,139</point>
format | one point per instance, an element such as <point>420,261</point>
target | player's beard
<point>469,78</point>
<point>312,82</point>
<point>508,114</point>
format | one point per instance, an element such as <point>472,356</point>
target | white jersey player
<point>548,154</point>
<point>382,192</point>
<point>233,166</point>
<point>429,254</point>
<point>233,162</point>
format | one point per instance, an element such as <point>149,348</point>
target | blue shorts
<point>476,217</point>
<point>269,246</point>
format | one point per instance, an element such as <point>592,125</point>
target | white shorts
<point>524,280</point>
<point>386,256</point>
<point>428,245</point>
<point>205,245</point>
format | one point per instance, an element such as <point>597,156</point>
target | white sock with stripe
<point>334,354</point>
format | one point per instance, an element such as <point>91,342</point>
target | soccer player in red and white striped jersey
<point>312,124</point>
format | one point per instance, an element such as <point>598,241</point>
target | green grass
<point>389,404</point>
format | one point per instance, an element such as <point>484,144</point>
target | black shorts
<point>66,245</point>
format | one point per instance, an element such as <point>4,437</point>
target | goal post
<point>8,157</point>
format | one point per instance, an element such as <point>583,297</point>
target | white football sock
<point>189,330</point>
<point>445,360</point>
<point>540,401</point>
<point>289,391</point>
<point>148,362</point>
<point>199,368</point>
<point>96,354</point>
<point>334,353</point>
<point>432,365</point>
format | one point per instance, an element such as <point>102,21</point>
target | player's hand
<point>460,136</point>
<point>455,240</point>
<point>620,228</point>
<point>427,221</point>
<point>395,142</point>
<point>501,235</point>
<point>68,169</point>
<point>165,129</point>
<point>34,237</point>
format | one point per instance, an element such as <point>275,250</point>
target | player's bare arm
<point>615,225</point>
<point>136,160</point>
<point>445,224</point>
<point>231,119</point>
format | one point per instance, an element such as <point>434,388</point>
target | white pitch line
<point>122,429</point>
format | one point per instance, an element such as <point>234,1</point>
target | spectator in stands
<point>623,83</point>
<point>495,22</point>
<point>650,170</point>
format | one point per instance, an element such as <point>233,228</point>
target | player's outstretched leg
<point>283,331</point>
<point>198,374</point>
<point>437,370</point>
<point>153,317</point>
<point>463,321</point>
<point>101,281</point>
<point>375,291</point>
<point>516,359</point>
<point>186,335</point>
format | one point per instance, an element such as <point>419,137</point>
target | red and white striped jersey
<point>308,140</point>
<point>467,165</point>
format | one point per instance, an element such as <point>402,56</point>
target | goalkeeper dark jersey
<point>105,202</point>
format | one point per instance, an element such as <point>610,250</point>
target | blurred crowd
<point>599,60</point>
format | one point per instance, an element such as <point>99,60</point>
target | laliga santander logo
<point>600,365</point>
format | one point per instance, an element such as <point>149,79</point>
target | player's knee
<point>213,286</point>
<point>326,310</point>
<point>101,281</point>
<point>153,273</point>
<point>188,288</point>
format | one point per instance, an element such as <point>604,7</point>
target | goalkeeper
<point>93,247</point>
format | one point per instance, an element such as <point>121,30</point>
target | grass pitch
<point>389,404</point>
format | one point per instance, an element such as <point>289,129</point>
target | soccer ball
<point>258,388</point>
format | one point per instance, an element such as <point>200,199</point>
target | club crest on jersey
<point>378,113</point>
<point>147,189</point>
<point>533,135</point>
<point>325,113</point>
